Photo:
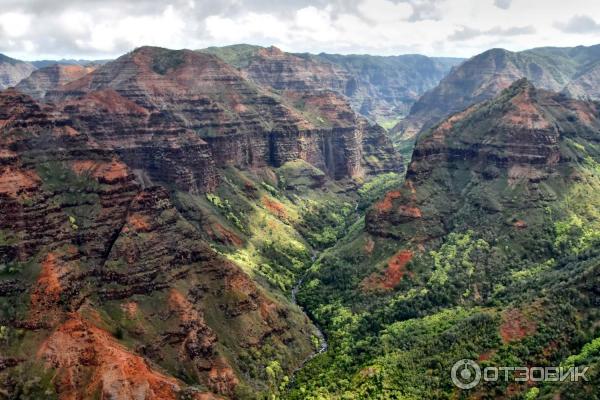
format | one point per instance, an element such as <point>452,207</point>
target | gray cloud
<point>503,4</point>
<point>108,28</point>
<point>466,33</point>
<point>579,24</point>
<point>425,10</point>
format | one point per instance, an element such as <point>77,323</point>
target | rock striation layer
<point>175,116</point>
<point>49,78</point>
<point>12,71</point>
<point>484,76</point>
<point>89,257</point>
<point>465,170</point>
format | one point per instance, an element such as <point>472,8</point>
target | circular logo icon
<point>466,374</point>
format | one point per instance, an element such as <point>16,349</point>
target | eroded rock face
<point>380,88</point>
<point>484,76</point>
<point>48,78</point>
<point>13,71</point>
<point>173,116</point>
<point>274,68</point>
<point>516,141</point>
<point>89,257</point>
<point>78,347</point>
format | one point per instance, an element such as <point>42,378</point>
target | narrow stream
<point>323,345</point>
<point>319,333</point>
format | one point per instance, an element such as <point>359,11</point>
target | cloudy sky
<point>35,29</point>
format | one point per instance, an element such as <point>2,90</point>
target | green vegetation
<point>377,187</point>
<point>238,55</point>
<point>504,270</point>
<point>388,124</point>
<point>164,60</point>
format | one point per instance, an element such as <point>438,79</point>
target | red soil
<point>396,268</point>
<point>221,378</point>
<point>47,288</point>
<point>487,355</point>
<point>413,212</point>
<point>525,113</point>
<point>392,275</point>
<point>219,232</point>
<point>515,326</point>
<point>239,282</point>
<point>111,101</point>
<point>107,172</point>
<point>386,204</point>
<point>139,222</point>
<point>14,181</point>
<point>89,360</point>
<point>520,224</point>
<point>274,207</point>
<point>182,307</point>
<point>130,308</point>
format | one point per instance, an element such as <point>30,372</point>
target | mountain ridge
<point>380,87</point>
<point>485,75</point>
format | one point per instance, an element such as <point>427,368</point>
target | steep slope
<point>381,88</point>
<point>156,214</point>
<point>385,88</point>
<point>49,78</point>
<point>12,71</point>
<point>486,75</point>
<point>274,68</point>
<point>488,251</point>
<point>585,84</point>
<point>206,114</point>
<point>107,291</point>
<point>525,137</point>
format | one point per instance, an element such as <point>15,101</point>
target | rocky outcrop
<point>89,258</point>
<point>13,71</point>
<point>385,88</point>
<point>279,70</point>
<point>173,116</point>
<point>49,78</point>
<point>585,84</point>
<point>519,139</point>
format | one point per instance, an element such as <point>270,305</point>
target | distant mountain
<point>573,70</point>
<point>12,71</point>
<point>381,88</point>
<point>51,77</point>
<point>385,87</point>
<point>83,63</point>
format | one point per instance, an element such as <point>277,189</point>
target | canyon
<point>233,223</point>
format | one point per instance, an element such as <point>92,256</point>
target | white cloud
<point>579,24</point>
<point>237,30</point>
<point>466,33</point>
<point>382,11</point>
<point>32,29</point>
<point>15,24</point>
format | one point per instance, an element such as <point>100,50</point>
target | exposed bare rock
<point>48,78</point>
<point>517,140</point>
<point>81,239</point>
<point>176,115</point>
<point>13,71</point>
